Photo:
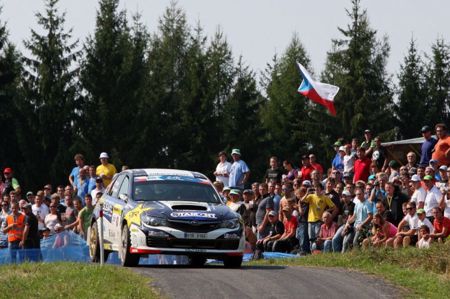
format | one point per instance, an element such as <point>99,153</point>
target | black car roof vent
<point>189,207</point>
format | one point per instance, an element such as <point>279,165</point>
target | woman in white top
<point>52,219</point>
<point>223,169</point>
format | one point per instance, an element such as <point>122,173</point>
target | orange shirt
<point>441,150</point>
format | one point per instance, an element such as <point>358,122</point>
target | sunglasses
<point>52,206</point>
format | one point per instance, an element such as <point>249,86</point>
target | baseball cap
<point>415,178</point>
<point>346,193</point>
<point>248,191</point>
<point>443,168</point>
<point>29,193</point>
<point>427,178</point>
<point>342,148</point>
<point>433,161</point>
<point>420,211</point>
<point>425,129</point>
<point>272,213</point>
<point>234,192</point>
<point>393,163</point>
<point>226,189</point>
<point>337,143</point>
<point>236,151</point>
<point>104,155</point>
<point>306,183</point>
<point>222,153</point>
<point>371,177</point>
<point>367,131</point>
<point>8,170</point>
<point>27,205</point>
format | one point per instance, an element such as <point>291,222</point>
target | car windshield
<point>174,191</point>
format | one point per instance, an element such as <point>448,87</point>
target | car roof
<point>165,172</point>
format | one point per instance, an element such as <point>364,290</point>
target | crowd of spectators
<point>364,199</point>
<point>50,213</point>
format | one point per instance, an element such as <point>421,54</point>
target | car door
<point>109,234</point>
<point>119,205</point>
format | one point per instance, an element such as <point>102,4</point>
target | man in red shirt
<point>442,148</point>
<point>314,164</point>
<point>362,166</point>
<point>441,226</point>
<point>307,168</point>
<point>287,241</point>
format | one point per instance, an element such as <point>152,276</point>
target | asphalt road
<point>265,282</point>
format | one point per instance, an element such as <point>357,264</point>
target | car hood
<point>187,210</point>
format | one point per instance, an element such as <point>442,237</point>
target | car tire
<point>197,261</point>
<point>127,259</point>
<point>94,245</point>
<point>232,261</point>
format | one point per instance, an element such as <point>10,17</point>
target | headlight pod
<point>231,224</point>
<point>154,221</point>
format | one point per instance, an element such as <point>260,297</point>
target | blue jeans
<point>338,239</point>
<point>326,246</point>
<point>302,237</point>
<point>313,231</point>
<point>15,249</point>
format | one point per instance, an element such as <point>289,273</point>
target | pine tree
<point>357,64</point>
<point>51,98</point>
<point>438,84</point>
<point>412,95</point>
<point>10,69</point>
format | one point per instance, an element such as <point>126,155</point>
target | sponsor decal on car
<point>134,215</point>
<point>193,215</point>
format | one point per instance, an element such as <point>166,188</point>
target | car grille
<point>196,227</point>
<point>220,244</point>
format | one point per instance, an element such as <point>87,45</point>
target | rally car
<point>166,211</point>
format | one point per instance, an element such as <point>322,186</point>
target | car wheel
<point>94,245</point>
<point>127,259</point>
<point>197,261</point>
<point>232,261</point>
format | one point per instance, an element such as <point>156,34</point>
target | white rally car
<point>165,211</point>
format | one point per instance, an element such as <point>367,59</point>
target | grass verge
<point>72,280</point>
<point>424,273</point>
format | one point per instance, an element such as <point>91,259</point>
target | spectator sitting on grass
<point>327,231</point>
<point>409,237</point>
<point>382,230</point>
<point>441,226</point>
<point>287,241</point>
<point>276,230</point>
<point>424,237</point>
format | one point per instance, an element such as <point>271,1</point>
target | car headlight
<point>231,224</point>
<point>154,221</point>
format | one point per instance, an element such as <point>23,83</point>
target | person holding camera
<point>318,203</point>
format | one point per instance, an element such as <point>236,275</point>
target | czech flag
<point>318,92</point>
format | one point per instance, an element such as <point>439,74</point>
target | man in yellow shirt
<point>318,202</point>
<point>105,170</point>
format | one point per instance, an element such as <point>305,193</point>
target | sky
<point>258,29</point>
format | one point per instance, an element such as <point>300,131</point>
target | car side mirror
<point>124,197</point>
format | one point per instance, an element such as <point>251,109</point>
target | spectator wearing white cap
<point>443,178</point>
<point>105,170</point>
<point>419,193</point>
<point>239,173</point>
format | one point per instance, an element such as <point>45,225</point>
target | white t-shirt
<point>419,196</point>
<point>432,200</point>
<point>446,207</point>
<point>40,213</point>
<point>413,221</point>
<point>349,161</point>
<point>223,168</point>
<point>427,223</point>
<point>50,222</point>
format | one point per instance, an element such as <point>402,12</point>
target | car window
<point>174,191</point>
<point>124,186</point>
<point>116,186</point>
